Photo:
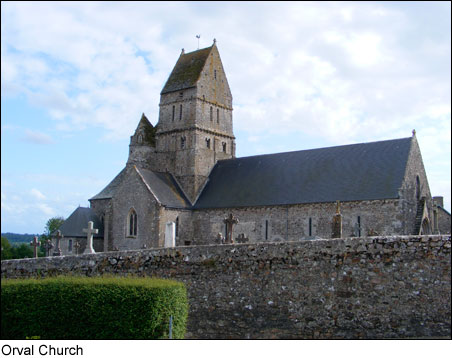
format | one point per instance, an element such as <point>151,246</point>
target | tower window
<point>208,143</point>
<point>218,115</point>
<point>182,142</point>
<point>174,111</point>
<point>215,74</point>
<point>224,147</point>
<point>132,222</point>
<point>211,114</point>
<point>180,112</point>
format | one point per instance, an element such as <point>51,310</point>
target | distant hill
<point>17,239</point>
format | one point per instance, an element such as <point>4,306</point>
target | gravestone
<point>48,246</point>
<point>58,236</point>
<point>170,234</point>
<point>89,238</point>
<point>35,243</point>
<point>241,239</point>
<point>230,221</point>
<point>220,238</point>
<point>337,222</point>
<point>77,247</point>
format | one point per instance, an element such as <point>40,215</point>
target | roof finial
<point>198,36</point>
<point>414,132</point>
<point>182,52</point>
<point>214,41</point>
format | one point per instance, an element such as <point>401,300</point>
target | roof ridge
<point>201,49</point>
<point>314,149</point>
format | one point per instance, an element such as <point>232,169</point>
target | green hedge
<point>92,308</point>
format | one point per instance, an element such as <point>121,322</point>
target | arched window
<point>224,147</point>
<point>177,226</point>
<point>182,142</point>
<point>208,142</point>
<point>140,138</point>
<point>218,115</point>
<point>174,111</point>
<point>180,112</point>
<point>132,223</point>
<point>211,114</point>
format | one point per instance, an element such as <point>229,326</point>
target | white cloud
<point>37,137</point>
<point>37,194</point>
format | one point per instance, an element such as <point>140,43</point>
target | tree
<point>22,251</point>
<point>52,225</point>
<point>6,249</point>
<point>15,252</point>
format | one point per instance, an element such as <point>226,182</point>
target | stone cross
<point>47,246</point>
<point>35,243</point>
<point>89,238</point>
<point>77,246</point>
<point>230,221</point>
<point>170,234</point>
<point>57,251</point>
<point>337,222</point>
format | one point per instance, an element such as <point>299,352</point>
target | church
<point>184,173</point>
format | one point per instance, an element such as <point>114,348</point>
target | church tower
<point>194,130</point>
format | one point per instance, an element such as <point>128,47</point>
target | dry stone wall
<point>380,287</point>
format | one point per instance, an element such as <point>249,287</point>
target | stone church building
<point>184,171</point>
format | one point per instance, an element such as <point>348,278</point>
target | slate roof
<point>165,189</point>
<point>187,70</point>
<point>110,189</point>
<point>162,185</point>
<point>365,171</point>
<point>73,226</point>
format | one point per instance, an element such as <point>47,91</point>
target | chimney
<point>439,201</point>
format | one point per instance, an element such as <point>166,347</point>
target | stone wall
<point>384,287</point>
<point>291,222</point>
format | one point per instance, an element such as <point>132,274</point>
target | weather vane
<point>198,36</point>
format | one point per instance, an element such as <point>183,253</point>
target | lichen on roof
<point>187,70</point>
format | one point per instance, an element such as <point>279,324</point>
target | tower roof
<point>187,70</point>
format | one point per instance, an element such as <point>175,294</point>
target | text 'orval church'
<point>183,174</point>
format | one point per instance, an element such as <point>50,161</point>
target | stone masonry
<point>374,287</point>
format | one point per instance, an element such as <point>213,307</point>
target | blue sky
<point>77,76</point>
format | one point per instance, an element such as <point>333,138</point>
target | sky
<point>76,77</point>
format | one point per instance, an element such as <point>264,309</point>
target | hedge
<point>92,308</point>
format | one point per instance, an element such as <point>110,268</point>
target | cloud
<point>317,71</point>
<point>37,137</point>
<point>37,194</point>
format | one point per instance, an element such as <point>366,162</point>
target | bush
<point>92,308</point>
